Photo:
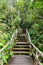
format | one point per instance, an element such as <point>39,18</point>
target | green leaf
<point>42,63</point>
<point>11,53</point>
<point>1,45</point>
<point>5,58</point>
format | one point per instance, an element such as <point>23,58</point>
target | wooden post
<point>37,59</point>
<point>2,58</point>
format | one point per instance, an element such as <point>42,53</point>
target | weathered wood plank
<point>20,60</point>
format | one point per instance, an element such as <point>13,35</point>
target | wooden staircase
<point>21,52</point>
<point>22,47</point>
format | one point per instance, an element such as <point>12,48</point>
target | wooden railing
<point>14,35</point>
<point>35,51</point>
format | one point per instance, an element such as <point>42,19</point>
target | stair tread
<point>21,52</point>
<point>22,35</point>
<point>22,42</point>
<point>21,38</point>
<point>21,48</point>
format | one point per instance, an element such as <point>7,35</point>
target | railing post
<point>11,44</point>
<point>37,59</point>
<point>1,61</point>
<point>2,58</point>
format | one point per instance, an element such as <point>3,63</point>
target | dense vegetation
<point>31,14</point>
<point>23,13</point>
<point>8,15</point>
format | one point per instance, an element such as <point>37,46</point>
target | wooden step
<point>20,60</point>
<point>21,35</point>
<point>21,42</point>
<point>21,49</point>
<point>21,52</point>
<point>21,39</point>
<point>21,46</point>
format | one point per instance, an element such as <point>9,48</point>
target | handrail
<point>37,53</point>
<point>41,53</point>
<point>10,42</point>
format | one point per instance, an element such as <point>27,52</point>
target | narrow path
<point>21,52</point>
<point>21,60</point>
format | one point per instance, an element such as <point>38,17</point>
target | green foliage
<point>4,38</point>
<point>8,15</point>
<point>17,22</point>
<point>20,5</point>
<point>11,53</point>
<point>31,14</point>
<point>42,63</point>
<point>5,58</point>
